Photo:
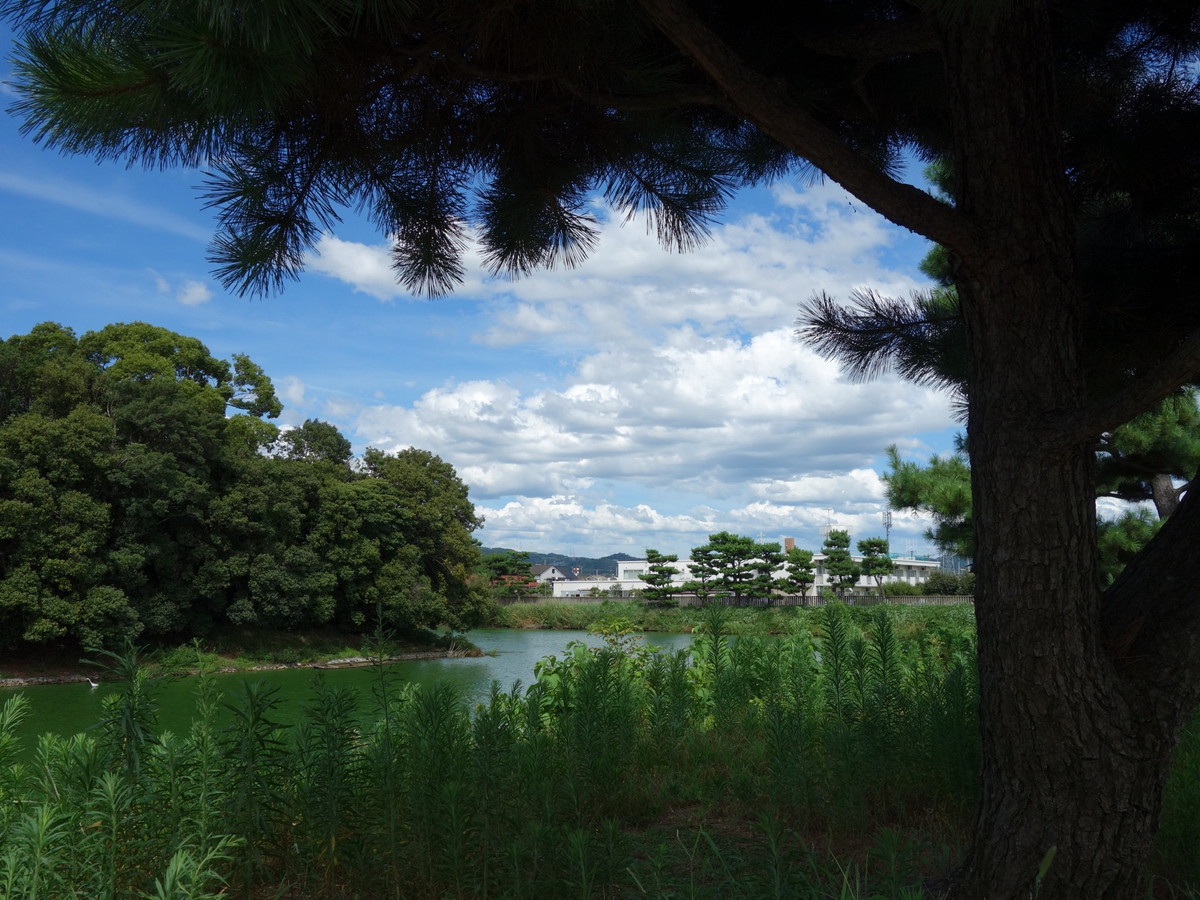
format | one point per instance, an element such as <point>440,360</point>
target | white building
<point>545,573</point>
<point>908,569</point>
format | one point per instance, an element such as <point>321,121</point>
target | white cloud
<point>290,390</point>
<point>682,403</point>
<point>752,275</point>
<point>367,268</point>
<point>193,293</point>
<point>723,409</point>
<point>189,293</point>
<point>566,523</point>
<point>831,489</point>
<point>763,425</point>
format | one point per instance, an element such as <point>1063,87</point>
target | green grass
<point>909,620</point>
<point>836,761</point>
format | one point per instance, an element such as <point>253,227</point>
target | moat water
<point>70,708</point>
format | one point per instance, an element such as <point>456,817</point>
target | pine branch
<point>1068,428</point>
<point>917,338</point>
<point>871,42</point>
<point>1150,620</point>
<point>771,107</point>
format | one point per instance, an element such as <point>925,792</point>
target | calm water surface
<point>70,708</point>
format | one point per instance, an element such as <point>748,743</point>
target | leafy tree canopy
<point>839,565</point>
<point>132,505</point>
<point>315,441</point>
<point>659,577</point>
<point>875,560</point>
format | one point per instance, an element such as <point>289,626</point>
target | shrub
<point>940,582</point>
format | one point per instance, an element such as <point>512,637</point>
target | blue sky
<point>645,399</point>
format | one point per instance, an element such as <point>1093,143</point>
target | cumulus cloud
<point>681,403</point>
<point>567,523</point>
<point>763,426</point>
<point>722,411</point>
<point>193,293</point>
<point>367,268</point>
<point>189,293</point>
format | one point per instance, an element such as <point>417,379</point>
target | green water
<point>70,708</point>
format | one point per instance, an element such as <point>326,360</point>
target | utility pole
<point>887,526</point>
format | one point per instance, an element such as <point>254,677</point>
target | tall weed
<point>744,767</point>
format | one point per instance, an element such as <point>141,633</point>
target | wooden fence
<point>859,600</point>
<point>693,600</point>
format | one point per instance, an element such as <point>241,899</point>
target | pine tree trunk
<point>1165,494</point>
<point>1073,767</point>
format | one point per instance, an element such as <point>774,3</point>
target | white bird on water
<point>94,684</point>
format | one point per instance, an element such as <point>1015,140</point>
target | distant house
<point>542,574</point>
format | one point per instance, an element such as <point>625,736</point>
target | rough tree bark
<point>1074,759</point>
<point>1164,493</point>
<point>1072,766</point>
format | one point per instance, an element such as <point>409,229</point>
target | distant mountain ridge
<point>588,565</point>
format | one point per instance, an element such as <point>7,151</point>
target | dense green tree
<point>247,437</point>
<point>54,532</point>
<point>767,562</point>
<point>704,569</point>
<point>800,576</point>
<point>875,560</point>
<point>1120,540</point>
<point>440,519</point>
<point>660,578</point>
<point>941,490</point>
<point>510,562</point>
<point>43,371</point>
<point>315,441</point>
<point>1070,130</point>
<point>132,505</point>
<point>839,565</point>
<point>269,533</point>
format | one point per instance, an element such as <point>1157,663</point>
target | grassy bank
<point>836,761</point>
<point>228,649</point>
<point>250,648</point>
<point>908,620</point>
